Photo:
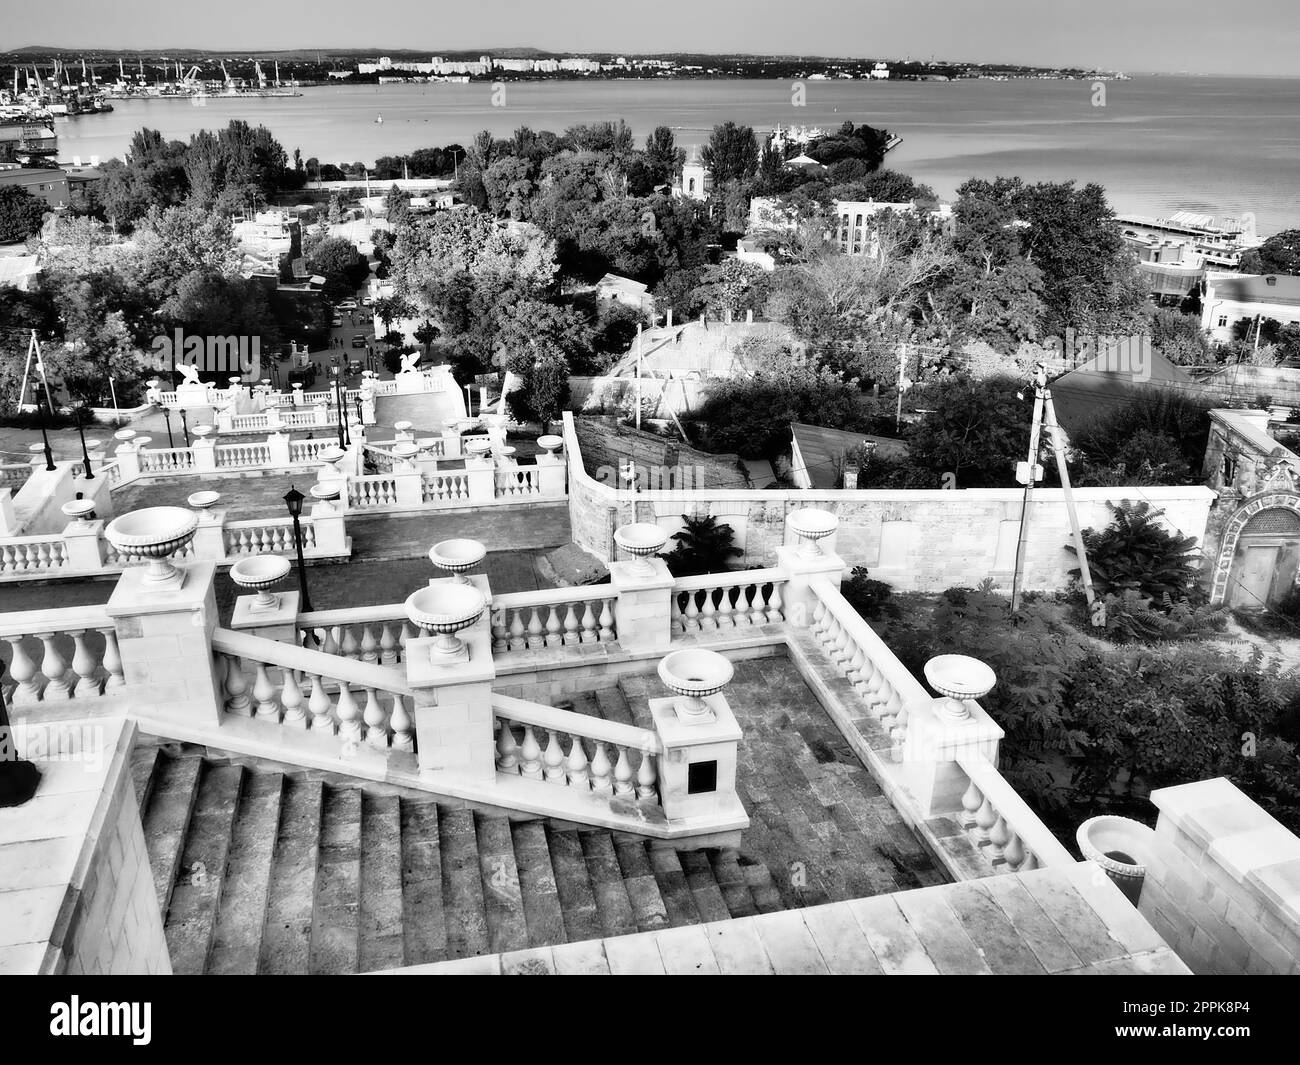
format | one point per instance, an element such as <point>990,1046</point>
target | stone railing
<point>727,600</point>
<point>553,617</point>
<point>604,757</point>
<point>1004,828</point>
<point>231,456</point>
<point>450,487</point>
<point>372,490</point>
<point>268,536</point>
<point>35,555</point>
<point>306,452</point>
<point>166,459</point>
<point>376,634</point>
<point>518,481</point>
<point>14,475</point>
<point>60,655</point>
<point>304,689</point>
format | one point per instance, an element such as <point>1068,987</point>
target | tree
<point>1179,337</point>
<point>338,261</point>
<point>702,546</point>
<point>733,286</point>
<point>976,431</point>
<point>510,188</point>
<point>235,167</point>
<point>426,333</point>
<point>662,156</point>
<point>732,152</point>
<point>397,207</point>
<point>21,214</point>
<point>1137,553</point>
<point>1279,254</point>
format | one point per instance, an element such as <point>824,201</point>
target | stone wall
<point>1223,882</point>
<point>916,540</point>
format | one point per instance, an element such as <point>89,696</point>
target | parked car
<point>354,368</point>
<point>367,301</point>
<point>348,305</point>
<point>359,340</point>
<point>336,321</point>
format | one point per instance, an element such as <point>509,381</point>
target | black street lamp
<point>85,451</point>
<point>45,436</point>
<point>18,777</point>
<point>185,428</point>
<point>167,417</point>
<point>293,500</point>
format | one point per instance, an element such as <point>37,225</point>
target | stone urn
<point>202,431</point>
<point>153,534</point>
<point>404,451</point>
<point>79,509</point>
<point>125,436</point>
<point>327,494</point>
<point>693,674</point>
<point>402,428</point>
<point>641,540</point>
<point>1119,846</point>
<point>260,573</point>
<point>962,680</point>
<point>550,443</point>
<point>457,557</point>
<point>443,610</point>
<point>479,447</point>
<point>203,500</point>
<point>811,525</point>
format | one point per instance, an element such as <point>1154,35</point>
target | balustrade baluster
<point>646,777</point>
<point>369,645</point>
<point>23,669</point>
<point>112,660</point>
<point>1031,862</point>
<point>999,837</point>
<point>518,639</point>
<point>387,645</point>
<point>349,715</point>
<point>58,686</point>
<point>623,774</point>
<point>536,631</point>
<point>268,705</point>
<point>571,634</point>
<point>554,630</point>
<point>84,666</point>
<point>320,707</point>
<point>972,799</point>
<point>530,756</point>
<point>691,615</point>
<point>587,626</point>
<point>376,718</point>
<point>553,759</point>
<point>1013,851</point>
<point>575,765</point>
<point>985,817</point>
<point>606,620</point>
<point>400,723</point>
<point>348,645</point>
<point>507,748</point>
<point>601,783</point>
<point>237,701</point>
<point>708,612</point>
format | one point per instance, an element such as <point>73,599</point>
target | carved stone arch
<point>1284,500</point>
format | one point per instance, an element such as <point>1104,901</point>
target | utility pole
<point>638,376</point>
<point>903,385</point>
<point>1031,475</point>
<point>1058,448</point>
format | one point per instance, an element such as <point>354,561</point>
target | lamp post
<point>18,777</point>
<point>85,451</point>
<point>45,436</point>
<point>167,417</point>
<point>185,428</point>
<point>293,500</point>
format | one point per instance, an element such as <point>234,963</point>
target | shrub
<point>870,598</point>
<point>1131,617</point>
<point>703,546</point>
<point>1135,552</point>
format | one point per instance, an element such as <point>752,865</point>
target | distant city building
<point>771,212</point>
<point>696,181</point>
<point>626,291</point>
<point>855,233</point>
<point>1232,298</point>
<point>50,185</point>
<point>880,71</point>
<point>1221,245</point>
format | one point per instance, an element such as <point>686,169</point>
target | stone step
<point>462,885</point>
<point>192,915</point>
<point>638,690</point>
<point>237,939</point>
<point>705,892</point>
<point>381,945</point>
<point>335,930</point>
<point>583,703</point>
<point>537,884</point>
<point>640,884</point>
<point>679,902</point>
<point>758,878</point>
<point>144,759</point>
<point>424,923</point>
<point>731,881</point>
<point>286,939</point>
<point>503,903</point>
<point>613,706</point>
<point>573,885</point>
<point>171,802</point>
<point>617,917</point>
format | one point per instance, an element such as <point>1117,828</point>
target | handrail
<point>359,615</point>
<point>317,663</point>
<point>898,675</point>
<point>1035,835</point>
<point>730,578</point>
<point>56,619</point>
<point>524,712</point>
<point>574,593</point>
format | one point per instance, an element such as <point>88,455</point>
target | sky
<point>1137,36</point>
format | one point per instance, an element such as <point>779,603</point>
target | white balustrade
<point>716,601</point>
<point>32,554</point>
<point>604,757</point>
<point>378,490</point>
<point>1001,824</point>
<point>517,481</point>
<point>239,455</point>
<point>15,476</point>
<point>376,634</point>
<point>553,617</point>
<point>266,536</point>
<point>59,655</point>
<point>444,487</point>
<point>305,451</point>
<point>166,459</point>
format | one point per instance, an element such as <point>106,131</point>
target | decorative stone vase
<point>444,610</point>
<point>457,557</point>
<point>202,431</point>
<point>260,573</point>
<point>479,447</point>
<point>961,679</point>
<point>693,674</point>
<point>125,436</point>
<point>203,500</point>
<point>79,509</point>
<point>405,451</point>
<point>811,525</point>
<point>325,493</point>
<point>154,534</point>
<point>550,443</point>
<point>1118,845</point>
<point>641,540</point>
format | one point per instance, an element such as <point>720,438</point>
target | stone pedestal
<point>480,476</point>
<point>802,569</point>
<point>331,533</point>
<point>451,444</point>
<point>697,769</point>
<point>205,453</point>
<point>278,623</point>
<point>278,444</point>
<point>128,462</point>
<point>8,521</point>
<point>643,611</point>
<point>165,638</point>
<point>408,482</point>
<point>930,750</point>
<point>83,545</point>
<point>453,706</point>
<point>551,474</point>
<point>210,537</point>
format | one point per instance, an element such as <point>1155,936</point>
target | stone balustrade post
<point>83,546</point>
<point>328,522</point>
<point>932,745</point>
<point>272,415</point>
<point>453,703</point>
<point>279,623</point>
<point>205,453</point>
<point>644,609</point>
<point>368,407</point>
<point>278,443</point>
<point>165,640</point>
<point>408,484</point>
<point>481,479</point>
<point>801,569</point>
<point>226,419</point>
<point>697,769</point>
<point>128,462</point>
<point>451,444</point>
<point>551,471</point>
<point>209,541</point>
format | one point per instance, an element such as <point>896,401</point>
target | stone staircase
<point>260,871</point>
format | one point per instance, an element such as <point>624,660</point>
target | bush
<point>1159,414</point>
<point>870,598</point>
<point>1130,617</point>
<point>977,430</point>
<point>703,546</point>
<point>1135,552</point>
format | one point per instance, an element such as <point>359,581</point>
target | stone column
<point>708,745</point>
<point>801,569</point>
<point>451,444</point>
<point>128,461</point>
<point>934,742</point>
<point>165,639</point>
<point>83,545</point>
<point>643,611</point>
<point>409,484</point>
<point>225,419</point>
<point>481,476</point>
<point>279,623</point>
<point>205,453</point>
<point>279,446</point>
<point>210,537</point>
<point>551,475</point>
<point>328,523</point>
